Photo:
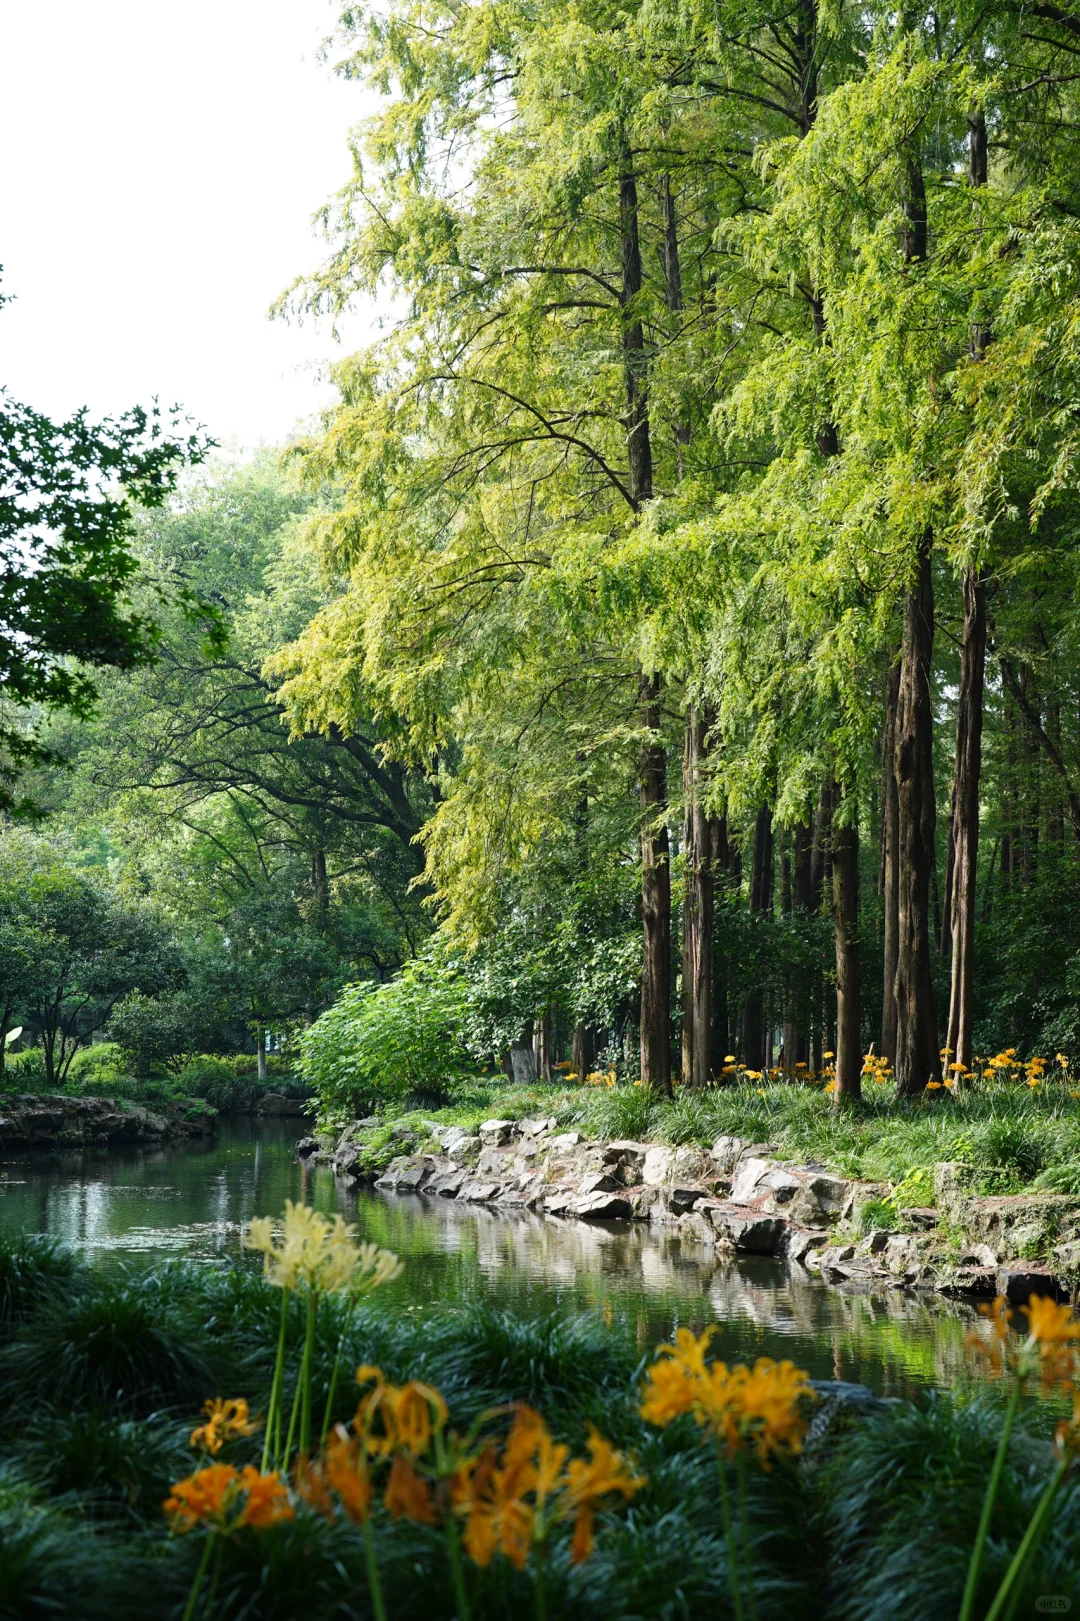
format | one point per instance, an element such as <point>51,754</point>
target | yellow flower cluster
<point>876,1066</point>
<point>510,1499</point>
<point>312,1251</point>
<point>225,1421</point>
<point>225,1499</point>
<point>506,1497</point>
<point>600,1077</point>
<point>759,1407</point>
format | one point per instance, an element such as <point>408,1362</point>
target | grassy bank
<point>102,1379</point>
<point>1017,1136</point>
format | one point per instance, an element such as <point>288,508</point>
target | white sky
<point>162,162</point>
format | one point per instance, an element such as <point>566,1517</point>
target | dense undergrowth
<point>1017,1137</point>
<point>101,1377</point>
<point>206,1079</point>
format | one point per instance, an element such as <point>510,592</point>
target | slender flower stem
<point>457,1573</point>
<point>967,1607</point>
<point>744,1532</point>
<point>275,1388</point>
<point>729,1536</point>
<point>334,1379</point>
<point>374,1584</point>
<point>189,1607</point>
<point>293,1416</point>
<point>1030,1540</point>
<point>208,1607</point>
<point>305,1375</point>
<point>539,1594</point>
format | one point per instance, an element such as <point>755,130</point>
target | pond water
<point>140,1207</point>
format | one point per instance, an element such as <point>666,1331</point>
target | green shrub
<point>387,1041</point>
<point>215,1080</point>
<point>25,1071</point>
<point>99,1068</point>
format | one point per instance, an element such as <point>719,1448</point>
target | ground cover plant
<point>119,1396</point>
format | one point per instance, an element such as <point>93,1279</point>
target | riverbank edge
<point>743,1197</point>
<point>42,1121</point>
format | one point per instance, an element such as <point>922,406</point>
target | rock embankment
<point>32,1121</point>
<point>739,1196</point>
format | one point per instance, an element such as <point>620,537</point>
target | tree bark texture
<point>698,904</point>
<point>890,884</point>
<point>761,882</point>
<point>721,855</point>
<point>542,1045</point>
<point>918,1057</point>
<point>655,897</point>
<point>583,1050</point>
<point>845,898</point>
<point>652,772</point>
<point>965,839</point>
<point>796,1030</point>
<point>635,360</point>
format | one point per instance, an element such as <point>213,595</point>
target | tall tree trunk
<point>845,899</point>
<point>918,1058</point>
<point>720,862</point>
<point>655,898</point>
<point>583,1050</point>
<point>652,773</point>
<point>698,906</point>
<point>796,1032</point>
<point>542,1045</point>
<point>260,1061</point>
<point>820,885</point>
<point>753,1030</point>
<point>969,722</point>
<point>635,359</point>
<point>890,839</point>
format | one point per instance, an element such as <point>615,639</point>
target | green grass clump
<point>33,1268</point>
<point>100,1388</point>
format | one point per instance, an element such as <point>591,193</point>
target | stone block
<point>463,1148</point>
<point>749,1174</point>
<point>725,1153</point>
<point>450,1184</point>
<point>657,1166</point>
<point>479,1192</point>
<point>681,1200</point>
<point>565,1141</point>
<point>642,1200</point>
<point>746,1232</point>
<point>494,1132</point>
<point>598,1182</point>
<point>601,1207</point>
<point>799,1241</point>
<point>1019,1283</point>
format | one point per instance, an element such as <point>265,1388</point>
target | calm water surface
<point>139,1207</point>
